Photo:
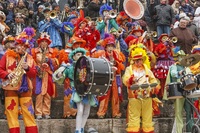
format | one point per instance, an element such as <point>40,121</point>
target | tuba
<point>134,9</point>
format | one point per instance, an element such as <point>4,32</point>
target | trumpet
<point>151,34</point>
<point>99,19</point>
<point>53,14</point>
<point>173,39</point>
<point>112,13</point>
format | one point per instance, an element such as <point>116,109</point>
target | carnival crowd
<point>42,42</point>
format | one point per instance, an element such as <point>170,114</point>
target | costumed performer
<point>140,100</point>
<point>82,103</point>
<point>46,60</point>
<point>175,73</point>
<point>18,86</point>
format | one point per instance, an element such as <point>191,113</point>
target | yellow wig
<point>138,51</point>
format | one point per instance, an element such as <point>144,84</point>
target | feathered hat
<point>137,45</point>
<point>121,17</point>
<point>104,7</point>
<point>129,38</point>
<point>139,53</point>
<point>80,20</point>
<point>75,39</point>
<point>29,31</point>
<point>137,28</point>
<point>77,50</point>
<point>195,49</point>
<point>108,39</point>
<point>44,37</point>
<point>163,37</point>
<point>22,40</point>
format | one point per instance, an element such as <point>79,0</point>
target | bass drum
<point>92,76</point>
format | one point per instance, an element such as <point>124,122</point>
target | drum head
<point>190,86</point>
<point>82,75</point>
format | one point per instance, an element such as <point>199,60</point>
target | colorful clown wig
<point>139,53</point>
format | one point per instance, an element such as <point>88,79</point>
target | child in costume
<point>46,60</point>
<point>18,86</point>
<point>82,103</point>
<point>140,100</point>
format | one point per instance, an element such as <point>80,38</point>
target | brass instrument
<point>99,19</point>
<point>19,72</point>
<point>173,39</point>
<point>41,73</point>
<point>134,9</point>
<point>112,13</point>
<point>53,14</point>
<point>151,34</point>
<point>120,31</point>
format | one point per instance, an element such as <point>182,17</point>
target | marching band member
<point>140,101</point>
<point>124,21</point>
<point>115,92</point>
<point>106,21</point>
<point>164,54</point>
<point>18,86</point>
<point>46,60</point>
<point>51,25</point>
<point>176,71</point>
<point>82,103</point>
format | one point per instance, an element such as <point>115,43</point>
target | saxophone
<point>19,72</point>
<point>41,73</point>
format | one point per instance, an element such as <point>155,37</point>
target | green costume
<point>180,103</point>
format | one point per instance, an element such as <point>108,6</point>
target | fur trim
<point>12,54</point>
<point>122,16</point>
<point>63,57</point>
<point>77,50</point>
